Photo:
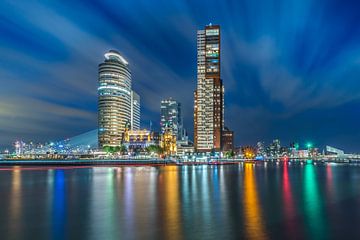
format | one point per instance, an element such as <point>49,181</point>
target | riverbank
<point>107,162</point>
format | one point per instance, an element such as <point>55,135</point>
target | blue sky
<point>291,68</point>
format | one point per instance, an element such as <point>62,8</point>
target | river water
<point>249,201</point>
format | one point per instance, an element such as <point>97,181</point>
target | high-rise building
<point>114,99</point>
<point>135,111</point>
<point>209,95</point>
<point>171,118</point>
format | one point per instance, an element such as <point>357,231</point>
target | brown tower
<point>209,95</point>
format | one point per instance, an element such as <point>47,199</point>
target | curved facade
<point>114,94</point>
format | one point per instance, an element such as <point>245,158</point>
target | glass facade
<point>135,111</point>
<point>170,111</point>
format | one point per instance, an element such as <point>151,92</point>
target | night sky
<point>291,68</point>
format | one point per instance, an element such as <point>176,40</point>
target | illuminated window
<point>212,32</point>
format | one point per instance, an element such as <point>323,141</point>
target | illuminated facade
<point>19,147</point>
<point>114,99</point>
<point>209,95</point>
<point>135,111</point>
<point>134,139</point>
<point>168,142</point>
<point>170,112</point>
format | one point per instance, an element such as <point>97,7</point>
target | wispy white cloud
<point>26,116</point>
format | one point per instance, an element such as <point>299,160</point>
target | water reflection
<point>102,205</point>
<point>313,208</point>
<point>287,195</point>
<point>289,205</point>
<point>329,182</point>
<point>59,207</point>
<point>129,200</point>
<point>190,202</point>
<point>172,204</point>
<point>254,225</point>
<point>15,204</point>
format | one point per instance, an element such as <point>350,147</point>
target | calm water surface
<point>246,201</point>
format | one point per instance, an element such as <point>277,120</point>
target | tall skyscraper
<point>114,99</point>
<point>171,118</point>
<point>135,111</point>
<point>209,95</point>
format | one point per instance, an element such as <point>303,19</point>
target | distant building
<point>168,141</point>
<point>135,111</point>
<point>303,153</point>
<point>260,149</point>
<point>171,117</point>
<point>116,100</point>
<point>332,150</point>
<point>227,140</point>
<point>183,150</point>
<point>209,95</point>
<point>140,139</point>
<point>19,147</point>
<point>274,149</point>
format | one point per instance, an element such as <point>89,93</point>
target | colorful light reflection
<point>254,225</point>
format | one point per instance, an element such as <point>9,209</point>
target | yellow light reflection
<point>15,202</point>
<point>172,201</point>
<point>254,225</point>
<point>15,192</point>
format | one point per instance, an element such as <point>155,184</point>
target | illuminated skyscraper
<point>135,111</point>
<point>171,118</point>
<point>114,94</point>
<point>209,95</point>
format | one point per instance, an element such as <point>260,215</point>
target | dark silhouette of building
<point>227,140</point>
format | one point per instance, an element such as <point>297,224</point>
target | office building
<point>171,118</point>
<point>209,95</point>
<point>114,99</point>
<point>135,111</point>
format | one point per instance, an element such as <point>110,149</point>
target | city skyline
<point>283,79</point>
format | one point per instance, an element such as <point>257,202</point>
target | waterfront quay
<point>110,162</point>
<point>161,162</point>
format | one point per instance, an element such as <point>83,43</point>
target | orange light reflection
<point>172,201</point>
<point>254,225</point>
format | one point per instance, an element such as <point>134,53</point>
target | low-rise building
<point>184,148</point>
<point>140,139</point>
